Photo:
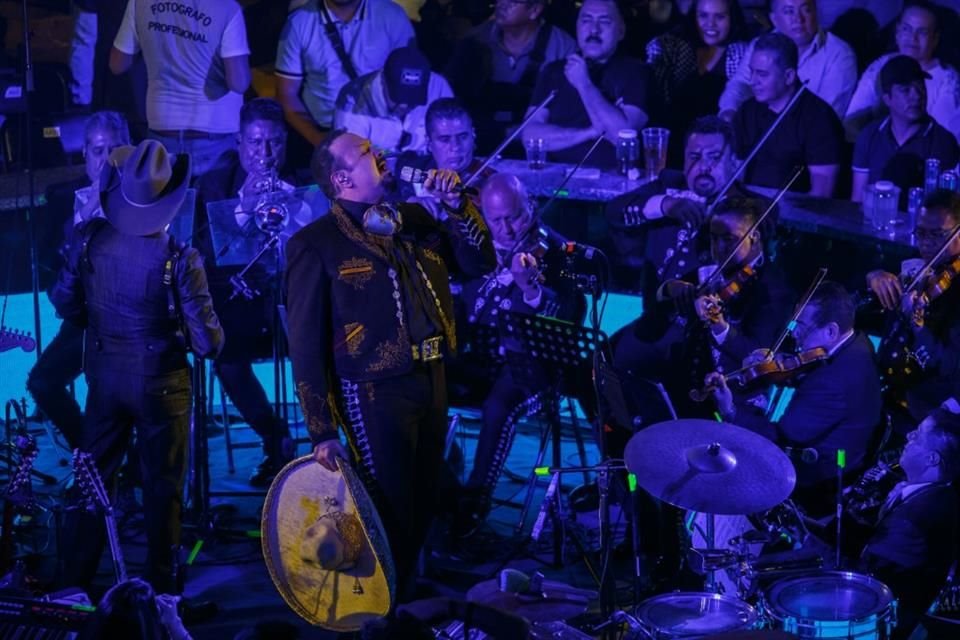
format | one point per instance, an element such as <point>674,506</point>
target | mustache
<point>594,39</point>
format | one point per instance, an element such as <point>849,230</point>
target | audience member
<point>692,64</point>
<point>494,69</point>
<point>197,70</point>
<point>326,45</point>
<point>895,148</point>
<point>826,64</point>
<point>917,36</point>
<point>255,167</point>
<point>387,106</point>
<point>132,609</point>
<point>809,136</point>
<point>598,92</point>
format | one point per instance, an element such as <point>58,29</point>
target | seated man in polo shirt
<point>918,36</point>
<point>895,148</point>
<point>825,63</point>
<point>388,106</point>
<point>599,92</point>
<point>809,136</point>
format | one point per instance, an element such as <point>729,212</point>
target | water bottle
<point>628,152</point>
<point>948,180</point>
<point>931,176</point>
<point>885,197</point>
<point>914,203</point>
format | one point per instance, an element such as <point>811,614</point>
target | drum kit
<point>719,471</point>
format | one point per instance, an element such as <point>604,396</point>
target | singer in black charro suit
<point>370,321</point>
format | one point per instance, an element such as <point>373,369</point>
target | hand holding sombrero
<point>325,546</point>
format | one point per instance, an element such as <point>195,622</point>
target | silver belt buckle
<point>429,349</point>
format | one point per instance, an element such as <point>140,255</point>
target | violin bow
<point>503,145</point>
<point>756,225</point>
<point>928,267</point>
<point>753,152</point>
<point>804,301</point>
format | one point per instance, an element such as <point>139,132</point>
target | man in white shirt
<point>197,70</point>
<point>827,64</point>
<point>311,69</point>
<point>917,35</point>
<point>388,107</point>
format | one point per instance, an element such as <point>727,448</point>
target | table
<point>840,219</point>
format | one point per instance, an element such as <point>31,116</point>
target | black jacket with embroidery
<point>345,312</point>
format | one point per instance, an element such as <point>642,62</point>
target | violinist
<point>836,402</point>
<point>527,279</point>
<point>718,324</point>
<point>920,350</point>
<point>650,225</point>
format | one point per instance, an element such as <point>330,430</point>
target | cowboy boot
<point>278,449</point>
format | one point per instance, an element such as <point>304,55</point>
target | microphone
<point>415,176</point>
<point>571,248</point>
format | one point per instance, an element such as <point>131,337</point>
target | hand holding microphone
<point>444,185</point>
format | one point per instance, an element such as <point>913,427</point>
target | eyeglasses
<point>931,234</point>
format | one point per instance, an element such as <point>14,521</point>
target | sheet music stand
<point>538,347</point>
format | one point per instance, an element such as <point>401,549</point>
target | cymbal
<point>711,467</point>
<point>555,601</point>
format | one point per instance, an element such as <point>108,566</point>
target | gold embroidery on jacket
<point>356,272</point>
<point>314,406</point>
<point>392,353</point>
<point>354,333</point>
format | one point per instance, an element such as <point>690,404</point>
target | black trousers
<point>244,389</point>
<point>59,365</point>
<point>159,408</point>
<point>397,430</point>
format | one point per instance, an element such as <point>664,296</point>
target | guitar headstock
<point>89,481</point>
<point>12,339</point>
<point>19,490</point>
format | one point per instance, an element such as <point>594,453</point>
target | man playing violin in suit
<point>712,325</point>
<point>836,403</point>
<point>920,351</point>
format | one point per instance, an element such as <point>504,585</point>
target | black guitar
<point>91,486</point>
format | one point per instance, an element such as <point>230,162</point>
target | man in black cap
<point>142,300</point>
<point>896,147</point>
<point>388,107</point>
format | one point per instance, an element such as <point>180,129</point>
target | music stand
<point>556,351</point>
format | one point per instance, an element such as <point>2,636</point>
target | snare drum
<point>832,604</point>
<point>694,615</point>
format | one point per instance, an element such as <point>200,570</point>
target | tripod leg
<point>578,438</point>
<point>532,482</point>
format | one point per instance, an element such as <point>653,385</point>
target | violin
<point>938,283</point>
<point>769,365</point>
<point>774,368</point>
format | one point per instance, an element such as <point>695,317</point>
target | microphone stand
<point>31,218</point>
<point>510,138</point>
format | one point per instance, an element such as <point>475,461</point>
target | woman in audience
<point>692,63</point>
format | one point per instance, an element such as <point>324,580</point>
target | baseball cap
<point>406,74</point>
<point>900,70</point>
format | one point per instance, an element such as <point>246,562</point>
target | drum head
<point>685,615</point>
<point>829,596</point>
